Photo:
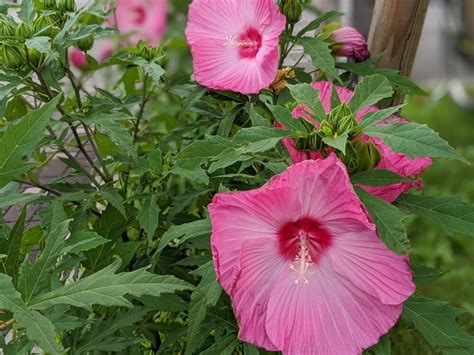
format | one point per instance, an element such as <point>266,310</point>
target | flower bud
<point>67,5</point>
<point>43,24</point>
<point>160,56</point>
<point>6,28</point>
<point>12,57</point>
<point>36,58</point>
<point>23,31</point>
<point>78,58</point>
<point>366,153</point>
<point>50,4</point>
<point>85,44</point>
<point>348,42</point>
<point>293,10</point>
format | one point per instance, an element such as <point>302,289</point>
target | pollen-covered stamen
<point>234,41</point>
<point>302,261</point>
<point>247,43</point>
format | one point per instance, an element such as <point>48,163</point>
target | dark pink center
<point>316,238</point>
<point>249,43</point>
<point>139,15</point>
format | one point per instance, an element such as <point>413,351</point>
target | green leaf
<point>183,232</point>
<point>20,138</point>
<point>338,143</point>
<point>206,293</point>
<point>414,140</point>
<point>27,11</point>
<point>107,288</point>
<point>383,347</point>
<point>257,119</point>
<point>260,139</point>
<point>313,25</point>
<point>370,91</point>
<point>36,277</point>
<point>227,158</point>
<point>373,118</point>
<point>12,199</point>
<point>436,321</point>
<point>320,54</point>
<point>112,196</point>
<point>378,177</point>
<point>283,115</point>
<point>425,274</point>
<point>12,246</point>
<point>448,212</point>
<point>194,174</point>
<point>83,241</point>
<point>38,328</point>
<point>154,71</point>
<point>148,217</point>
<point>41,44</point>
<point>389,222</point>
<point>199,152</point>
<point>224,346</point>
<point>306,94</point>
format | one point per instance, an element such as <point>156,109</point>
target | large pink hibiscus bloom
<point>390,160</point>
<point>234,43</point>
<point>303,265</point>
<point>142,19</point>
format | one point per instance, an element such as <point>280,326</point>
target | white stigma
<point>233,41</point>
<point>302,262</point>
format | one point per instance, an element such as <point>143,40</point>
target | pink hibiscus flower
<point>390,160</point>
<point>234,43</point>
<point>142,19</point>
<point>303,265</point>
<point>77,58</point>
<point>350,43</point>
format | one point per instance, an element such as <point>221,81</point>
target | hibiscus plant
<point>221,180</point>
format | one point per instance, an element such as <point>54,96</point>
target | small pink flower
<point>350,43</point>
<point>77,58</point>
<point>142,19</point>
<point>303,265</point>
<point>234,43</point>
<point>390,160</point>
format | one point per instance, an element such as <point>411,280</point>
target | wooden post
<point>396,29</point>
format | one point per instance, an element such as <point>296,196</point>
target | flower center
<point>138,15</point>
<point>248,43</point>
<point>303,242</point>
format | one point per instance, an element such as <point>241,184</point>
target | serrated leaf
<point>195,174</point>
<point>338,143</point>
<point>112,196</point>
<point>155,71</point>
<point>373,118</point>
<point>227,158</point>
<point>183,232</point>
<point>27,11</point>
<point>321,55</point>
<point>414,140</point>
<point>206,293</point>
<point>424,274</point>
<point>306,94</point>
<point>20,138</point>
<point>370,91</point>
<point>107,288</point>
<point>12,246</point>
<point>199,152</point>
<point>313,25</point>
<point>82,241</point>
<point>38,328</point>
<point>389,222</point>
<point>436,321</point>
<point>283,115</point>
<point>13,199</point>
<point>36,277</point>
<point>378,177</point>
<point>149,216</point>
<point>259,139</point>
<point>257,119</point>
<point>447,212</point>
<point>41,44</point>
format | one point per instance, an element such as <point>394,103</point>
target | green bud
<point>326,129</point>
<point>368,156</point>
<point>50,4</point>
<point>67,5</point>
<point>23,31</point>
<point>36,58</point>
<point>12,57</point>
<point>85,44</point>
<point>6,28</point>
<point>43,25</point>
<point>160,56</point>
<point>292,9</point>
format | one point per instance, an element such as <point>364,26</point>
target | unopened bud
<point>36,58</point>
<point>23,31</point>
<point>368,156</point>
<point>85,44</point>
<point>292,9</point>
<point>50,4</point>
<point>12,57</point>
<point>6,28</point>
<point>67,5</point>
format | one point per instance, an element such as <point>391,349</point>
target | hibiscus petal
<point>327,316</point>
<point>241,216</point>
